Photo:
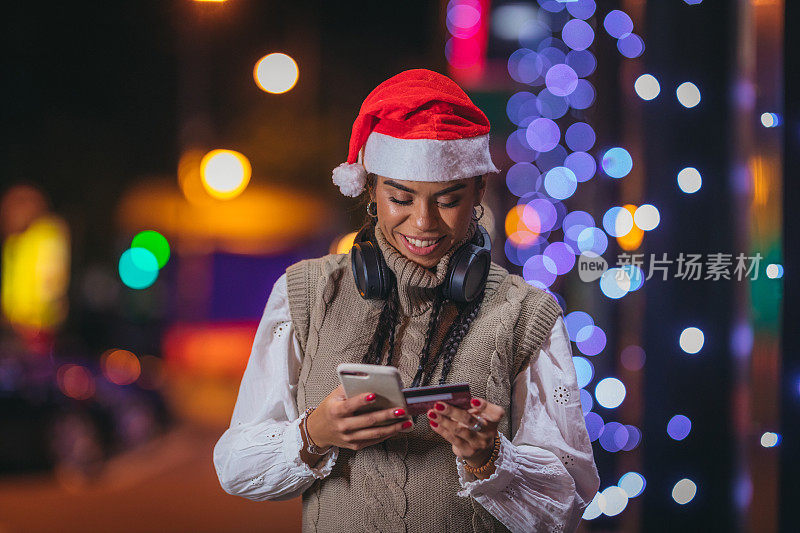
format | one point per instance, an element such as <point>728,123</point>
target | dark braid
<point>386,328</point>
<point>456,334</point>
<point>432,323</point>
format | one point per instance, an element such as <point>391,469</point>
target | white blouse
<point>544,477</point>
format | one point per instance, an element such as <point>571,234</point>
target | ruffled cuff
<point>293,443</point>
<point>505,468</point>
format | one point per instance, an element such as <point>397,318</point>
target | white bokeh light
<point>769,439</point>
<point>616,500</point>
<point>684,491</point>
<point>688,94</point>
<point>691,340</point>
<point>610,392</point>
<point>647,86</point>
<point>647,217</point>
<point>690,180</point>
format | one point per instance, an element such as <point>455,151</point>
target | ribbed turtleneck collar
<point>416,285</point>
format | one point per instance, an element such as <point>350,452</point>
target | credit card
<point>420,399</point>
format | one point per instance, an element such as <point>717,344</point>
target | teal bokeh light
<point>138,268</point>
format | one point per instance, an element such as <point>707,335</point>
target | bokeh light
<point>770,439</point>
<point>647,217</point>
<point>558,258</point>
<point>691,340</point>
<point>582,62</point>
<point>617,221</point>
<point>633,483</point>
<point>617,162</point>
<point>590,340</point>
<point>594,425</point>
<point>584,371</point>
<point>616,500</point>
<point>225,173</point>
<point>543,134</point>
<point>684,491</point>
<point>688,94</point>
<point>690,180</point>
<point>610,392</point>
<point>581,9</point>
<point>551,106</point>
<point>560,182</point>
<point>138,268</point>
<point>586,400</point>
<point>580,137</point>
<point>518,149</point>
<point>633,357</point>
<point>614,437</point>
<point>583,96</point>
<point>577,34</point>
<point>774,271</point>
<point>575,321</point>
<point>631,46</point>
<point>770,120</point>
<point>120,366</point>
<point>615,283</point>
<point>155,242</point>
<point>647,87</point>
<point>679,427</point>
<point>75,381</point>
<point>618,24</point>
<point>582,164</point>
<point>561,80</point>
<point>276,73</point>
<point>521,178</point>
<point>592,241</point>
<point>594,509</point>
<point>535,272</point>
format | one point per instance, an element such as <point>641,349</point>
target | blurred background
<point>165,161</point>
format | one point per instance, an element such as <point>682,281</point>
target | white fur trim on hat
<point>351,178</point>
<point>427,159</point>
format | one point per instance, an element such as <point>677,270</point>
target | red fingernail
<point>431,414</point>
<point>476,402</point>
<point>434,424</point>
<point>370,397</point>
<point>407,424</point>
<point>399,412</point>
<point>439,406</point>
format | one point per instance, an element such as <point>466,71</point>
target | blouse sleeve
<point>258,456</point>
<point>546,476</point>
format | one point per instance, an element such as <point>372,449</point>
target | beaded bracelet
<point>489,462</point>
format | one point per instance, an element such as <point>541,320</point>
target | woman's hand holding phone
<point>335,422</point>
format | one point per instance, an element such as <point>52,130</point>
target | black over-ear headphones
<point>466,274</point>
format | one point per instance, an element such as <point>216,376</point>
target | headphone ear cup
<point>469,268</point>
<point>372,276</point>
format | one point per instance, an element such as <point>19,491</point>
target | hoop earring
<point>473,213</point>
<point>372,206</point>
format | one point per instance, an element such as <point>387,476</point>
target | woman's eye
<point>395,200</point>
<point>450,204</point>
<point>407,202</point>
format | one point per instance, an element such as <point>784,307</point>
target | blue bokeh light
<point>617,162</point>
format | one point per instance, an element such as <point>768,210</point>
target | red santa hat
<point>420,126</point>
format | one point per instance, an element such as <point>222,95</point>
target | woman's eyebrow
<point>406,189</point>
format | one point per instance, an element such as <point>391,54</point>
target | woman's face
<point>425,212</point>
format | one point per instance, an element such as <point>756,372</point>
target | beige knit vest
<point>407,483</point>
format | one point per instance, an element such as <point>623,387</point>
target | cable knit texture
<point>408,483</point>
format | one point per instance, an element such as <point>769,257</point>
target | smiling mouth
<point>414,245</point>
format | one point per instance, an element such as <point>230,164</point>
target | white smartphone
<point>384,381</point>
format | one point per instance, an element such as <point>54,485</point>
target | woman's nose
<point>425,216</point>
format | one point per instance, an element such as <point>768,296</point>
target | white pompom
<point>351,178</point>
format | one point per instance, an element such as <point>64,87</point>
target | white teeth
<point>421,244</point>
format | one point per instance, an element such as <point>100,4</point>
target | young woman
<point>519,458</point>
